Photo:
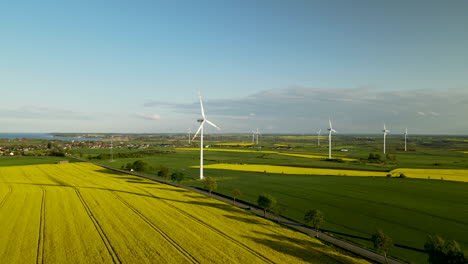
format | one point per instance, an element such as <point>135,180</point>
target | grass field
<point>354,207</point>
<point>83,213</point>
<point>29,160</point>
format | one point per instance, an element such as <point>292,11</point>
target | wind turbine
<point>257,133</point>
<point>253,136</point>
<point>318,137</point>
<point>330,130</point>
<point>112,149</point>
<point>385,131</point>
<point>406,135</point>
<point>202,121</point>
<point>189,135</point>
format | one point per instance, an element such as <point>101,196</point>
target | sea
<point>46,136</point>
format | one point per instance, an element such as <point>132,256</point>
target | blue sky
<point>282,66</point>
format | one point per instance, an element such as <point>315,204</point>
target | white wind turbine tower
<point>385,131</point>
<point>330,130</point>
<point>189,135</point>
<point>318,137</point>
<point>257,133</point>
<point>253,136</point>
<point>202,121</point>
<point>406,135</point>
<point>112,149</point>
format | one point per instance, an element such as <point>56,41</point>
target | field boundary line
<point>104,238</point>
<point>162,233</point>
<point>212,228</point>
<point>40,239</point>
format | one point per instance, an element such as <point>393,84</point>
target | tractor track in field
<point>217,231</point>
<point>5,198</point>
<point>104,238</point>
<point>41,237</point>
<point>179,248</point>
<point>193,218</point>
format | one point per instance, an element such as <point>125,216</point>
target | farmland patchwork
<point>83,213</point>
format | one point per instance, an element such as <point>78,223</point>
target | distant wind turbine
<point>112,148</point>
<point>202,121</point>
<point>385,131</point>
<point>253,136</point>
<point>257,133</point>
<point>406,135</point>
<point>318,137</point>
<point>189,135</point>
<point>330,130</point>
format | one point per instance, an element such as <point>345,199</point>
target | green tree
<point>177,176</point>
<point>140,165</point>
<point>314,218</point>
<point>210,184</point>
<point>382,243</point>
<point>266,202</point>
<point>442,251</point>
<point>163,172</point>
<point>236,193</point>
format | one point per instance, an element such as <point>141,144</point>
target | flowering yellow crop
<point>436,174</point>
<point>233,144</point>
<point>301,155</point>
<point>82,213</point>
<point>451,175</point>
<point>291,170</point>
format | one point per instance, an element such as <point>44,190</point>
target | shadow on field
<point>196,196</point>
<point>245,220</point>
<point>141,182</point>
<point>129,178</point>
<point>299,248</point>
<point>110,172</point>
<point>172,190</point>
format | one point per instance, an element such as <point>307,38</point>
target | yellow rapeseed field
<point>301,155</point>
<point>82,213</point>
<point>291,170</point>
<point>234,144</point>
<point>436,174</point>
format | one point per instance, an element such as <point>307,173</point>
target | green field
<point>29,160</point>
<point>407,209</point>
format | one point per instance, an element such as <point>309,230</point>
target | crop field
<point>82,213</point>
<point>408,210</point>
<point>29,160</point>
<point>292,170</point>
<point>234,144</point>
<point>435,174</point>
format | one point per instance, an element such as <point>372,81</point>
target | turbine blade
<point>211,123</point>
<point>329,122</point>
<point>333,130</point>
<point>201,105</point>
<point>198,131</point>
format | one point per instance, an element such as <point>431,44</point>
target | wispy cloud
<point>300,109</point>
<point>148,116</point>
<point>42,112</point>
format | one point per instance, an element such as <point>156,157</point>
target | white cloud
<point>362,110</point>
<point>148,116</point>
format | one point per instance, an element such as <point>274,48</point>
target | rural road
<point>340,243</point>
